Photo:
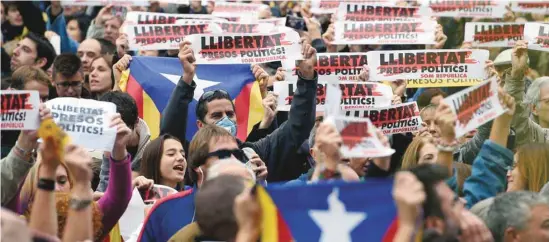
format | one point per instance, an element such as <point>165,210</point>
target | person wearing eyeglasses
<point>278,150</point>
<point>68,77</point>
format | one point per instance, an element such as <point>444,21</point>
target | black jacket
<point>279,149</point>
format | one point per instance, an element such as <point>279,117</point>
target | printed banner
<point>401,118</point>
<point>240,28</point>
<point>86,121</point>
<point>246,17</point>
<point>525,6</point>
<point>493,34</point>
<point>246,48</point>
<point>137,3</point>
<point>140,18</point>
<point>537,35</point>
<point>477,8</point>
<point>359,138</point>
<point>353,95</point>
<point>475,106</point>
<point>20,110</point>
<point>375,12</point>
<point>156,193</point>
<point>446,82</point>
<point>380,33</point>
<point>333,67</point>
<point>238,8</point>
<point>164,36</point>
<point>278,22</point>
<point>331,6</point>
<point>427,64</point>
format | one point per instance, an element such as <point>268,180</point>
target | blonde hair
<point>411,156</point>
<point>533,165</point>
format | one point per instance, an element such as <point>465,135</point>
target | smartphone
<point>296,23</point>
<point>119,11</point>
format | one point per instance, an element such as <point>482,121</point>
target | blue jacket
<point>488,177</point>
<point>59,26</point>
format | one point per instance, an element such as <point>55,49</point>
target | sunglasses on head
<point>223,154</point>
<point>209,94</point>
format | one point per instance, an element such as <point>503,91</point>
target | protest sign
<point>477,8</point>
<point>246,17</point>
<point>354,95</point>
<point>156,193</point>
<point>238,8</point>
<point>537,35</point>
<point>245,48</point>
<point>86,121</point>
<point>20,110</point>
<point>493,34</point>
<point>444,82</point>
<point>333,67</point>
<point>278,22</point>
<point>401,118</point>
<point>164,36</point>
<point>139,3</point>
<point>133,215</point>
<point>375,12</point>
<point>55,41</point>
<point>331,6</point>
<point>530,6</point>
<point>240,28</point>
<point>139,18</point>
<point>390,32</point>
<point>359,138</point>
<point>427,64</point>
<point>475,106</point>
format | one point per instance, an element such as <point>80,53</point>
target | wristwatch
<point>79,204</point>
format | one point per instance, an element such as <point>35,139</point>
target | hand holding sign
<point>519,60</point>
<point>383,163</point>
<point>122,136</point>
<point>328,38</point>
<point>27,139</point>
<point>79,163</point>
<point>119,67</point>
<point>328,140</point>
<point>188,61</point>
<point>508,102</point>
<point>440,37</point>
<point>261,75</point>
<point>307,65</point>
<point>446,121</point>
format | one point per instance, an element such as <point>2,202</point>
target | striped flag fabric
<point>151,80</point>
<point>336,211</point>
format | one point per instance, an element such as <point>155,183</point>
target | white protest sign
<point>140,3</point>
<point>359,138</point>
<point>139,18</point>
<point>241,28</point>
<point>55,41</point>
<point>133,216</point>
<point>275,21</point>
<point>475,106</point>
<point>86,121</point>
<point>164,36</point>
<point>480,8</point>
<point>530,6</point>
<point>427,64</point>
<point>246,17</point>
<point>401,118</point>
<point>332,67</point>
<point>354,95</point>
<point>20,110</point>
<point>245,48</point>
<point>331,6</point>
<point>537,35</point>
<point>483,34</point>
<point>234,7</point>
<point>379,12</point>
<point>385,33</point>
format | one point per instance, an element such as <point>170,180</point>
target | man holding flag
<point>216,107</point>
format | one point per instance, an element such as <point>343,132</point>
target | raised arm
<point>446,120</point>
<point>58,24</point>
<point>174,117</point>
<point>118,193</point>
<point>279,147</point>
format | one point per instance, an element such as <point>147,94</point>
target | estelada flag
<point>151,80</point>
<point>338,211</point>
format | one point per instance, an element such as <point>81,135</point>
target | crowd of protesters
<point>486,186</point>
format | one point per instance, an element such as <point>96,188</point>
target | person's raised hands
<point>329,140</point>
<point>519,60</point>
<point>507,101</point>
<point>50,159</point>
<point>120,66</point>
<point>446,121</point>
<point>313,28</point>
<point>409,195</point>
<point>383,163</point>
<point>103,15</point>
<point>473,228</point>
<point>142,183</point>
<point>259,168</point>
<point>79,163</point>
<point>261,75</point>
<point>122,44</point>
<point>307,65</point>
<point>247,212</point>
<point>364,74</point>
<point>188,61</point>
<point>440,38</point>
<point>122,136</point>
<point>27,139</point>
<point>399,87</point>
<point>328,38</point>
<point>269,106</point>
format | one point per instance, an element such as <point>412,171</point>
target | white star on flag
<point>200,84</point>
<point>336,223</point>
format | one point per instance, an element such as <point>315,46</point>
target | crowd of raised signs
<point>332,121</point>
